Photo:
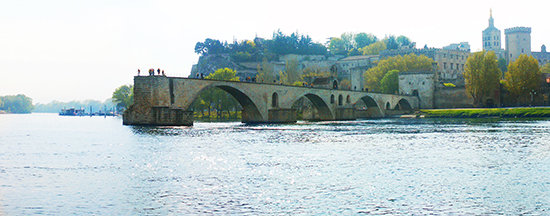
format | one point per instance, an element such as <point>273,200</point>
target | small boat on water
<point>73,112</point>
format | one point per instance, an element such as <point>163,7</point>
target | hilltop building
<point>518,41</point>
<point>353,68</point>
<point>451,62</point>
<point>464,46</point>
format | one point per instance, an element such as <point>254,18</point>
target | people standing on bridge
<point>163,73</point>
<point>138,71</point>
<point>158,71</point>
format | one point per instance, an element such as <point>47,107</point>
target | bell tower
<point>491,37</point>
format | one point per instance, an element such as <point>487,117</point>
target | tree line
<point>348,44</point>
<point>483,77</point>
<point>16,104</point>
<point>56,106</point>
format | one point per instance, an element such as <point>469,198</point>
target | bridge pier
<point>344,113</point>
<point>158,116</point>
<point>282,115</point>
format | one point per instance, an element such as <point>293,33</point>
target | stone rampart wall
<point>445,98</point>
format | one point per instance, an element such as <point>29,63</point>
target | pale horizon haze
<point>78,50</point>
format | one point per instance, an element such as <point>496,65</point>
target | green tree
<point>17,104</point>
<point>217,99</point>
<point>348,40</point>
<point>502,66</point>
<point>226,74</point>
<point>545,68</point>
<point>409,62</point>
<point>373,49</point>
<point>123,96</point>
<point>482,76</point>
<point>390,82</point>
<point>523,76</point>
<point>292,72</point>
<point>364,39</point>
<point>223,100</point>
<point>391,42</point>
<point>337,46</point>
<point>265,72</point>
<point>210,46</point>
<point>403,41</point>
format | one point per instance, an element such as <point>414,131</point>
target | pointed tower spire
<point>491,20</point>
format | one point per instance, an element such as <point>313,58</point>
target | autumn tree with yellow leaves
<point>523,76</point>
<point>482,75</point>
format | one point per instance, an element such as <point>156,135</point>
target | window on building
<point>521,50</point>
<point>444,65</point>
<point>451,66</point>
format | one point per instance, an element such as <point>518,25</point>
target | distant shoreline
<point>519,112</point>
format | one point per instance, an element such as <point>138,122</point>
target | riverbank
<point>537,112</point>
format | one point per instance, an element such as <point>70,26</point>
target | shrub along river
<point>59,165</point>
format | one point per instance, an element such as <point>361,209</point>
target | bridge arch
<point>404,105</point>
<point>250,111</point>
<point>319,104</point>
<point>372,106</point>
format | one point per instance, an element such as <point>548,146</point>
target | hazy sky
<point>77,50</point>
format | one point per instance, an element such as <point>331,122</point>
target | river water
<point>59,165</point>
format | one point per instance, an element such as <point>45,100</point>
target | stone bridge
<point>161,100</point>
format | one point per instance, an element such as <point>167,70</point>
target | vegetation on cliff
<point>348,44</point>
<point>258,49</point>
